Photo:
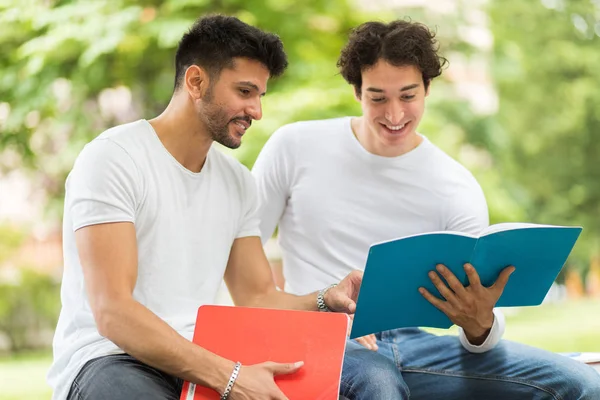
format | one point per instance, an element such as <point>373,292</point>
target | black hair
<point>215,40</point>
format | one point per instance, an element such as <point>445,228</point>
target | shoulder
<point>450,171</point>
<point>308,131</point>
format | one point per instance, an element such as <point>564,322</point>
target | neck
<point>182,134</point>
<point>372,143</point>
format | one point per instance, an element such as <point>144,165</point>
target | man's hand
<point>342,298</point>
<point>469,307</point>
<point>369,341</point>
<point>256,382</point>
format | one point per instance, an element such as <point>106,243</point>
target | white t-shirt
<point>185,225</point>
<point>332,199</point>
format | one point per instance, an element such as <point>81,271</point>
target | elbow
<point>108,316</point>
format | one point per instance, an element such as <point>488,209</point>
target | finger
<point>342,303</point>
<point>373,340</point>
<point>442,288</point>
<point>369,341</point>
<point>456,286</point>
<point>284,369</point>
<point>502,280</point>
<point>363,342</point>
<point>472,275</point>
<point>439,304</point>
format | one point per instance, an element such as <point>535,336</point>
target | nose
<point>394,114</point>
<point>254,110</point>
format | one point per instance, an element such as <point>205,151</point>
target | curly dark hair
<point>215,40</point>
<point>399,43</point>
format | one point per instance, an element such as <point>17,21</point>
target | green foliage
<point>31,305</point>
<point>10,240</point>
<point>548,126</point>
<point>60,57</point>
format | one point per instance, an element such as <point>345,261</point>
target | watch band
<point>321,306</point>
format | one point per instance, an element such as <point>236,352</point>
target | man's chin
<point>229,142</point>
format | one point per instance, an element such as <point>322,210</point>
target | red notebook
<point>255,335</point>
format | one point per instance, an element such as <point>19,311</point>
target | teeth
<point>395,127</point>
<point>240,125</point>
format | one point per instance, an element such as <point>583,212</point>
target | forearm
<point>143,335</point>
<point>282,300</point>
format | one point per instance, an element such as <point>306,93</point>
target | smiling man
<point>334,187</point>
<point>155,217</point>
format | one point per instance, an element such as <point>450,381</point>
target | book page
<point>455,233</point>
<point>508,226</point>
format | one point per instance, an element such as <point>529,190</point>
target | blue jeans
<point>413,364</point>
<point>122,377</point>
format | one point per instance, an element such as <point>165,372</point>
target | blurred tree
<point>70,69</point>
<point>547,140</point>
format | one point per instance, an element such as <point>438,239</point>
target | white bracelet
<point>232,378</point>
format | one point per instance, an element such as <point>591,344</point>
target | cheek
<point>371,111</point>
<point>416,109</point>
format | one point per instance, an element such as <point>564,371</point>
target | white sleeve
<point>468,212</point>
<point>273,172</point>
<point>249,224</point>
<point>103,186</point>
<point>491,341</point>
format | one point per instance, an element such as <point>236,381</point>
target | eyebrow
<point>405,88</point>
<point>252,85</point>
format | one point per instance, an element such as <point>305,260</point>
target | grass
<point>23,377</point>
<point>564,327</point>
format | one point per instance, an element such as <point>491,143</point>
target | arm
<point>467,212</point>
<point>250,281</point>
<point>273,174</point>
<point>108,254</point>
<point>101,197</point>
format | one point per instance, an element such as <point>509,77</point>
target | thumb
<point>503,278</point>
<point>286,369</point>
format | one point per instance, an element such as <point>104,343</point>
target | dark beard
<point>217,123</point>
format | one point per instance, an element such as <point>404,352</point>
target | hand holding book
<point>470,307</point>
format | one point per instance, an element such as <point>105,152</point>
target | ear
<point>357,94</point>
<point>196,81</point>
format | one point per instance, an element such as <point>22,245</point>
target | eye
<point>245,92</point>
<point>377,99</point>
<point>410,97</point>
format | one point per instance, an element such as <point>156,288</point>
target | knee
<point>377,378</point>
<point>578,382</point>
<point>590,386</point>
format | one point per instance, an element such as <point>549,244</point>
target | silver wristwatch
<point>321,298</point>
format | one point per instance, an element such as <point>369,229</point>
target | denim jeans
<point>122,377</point>
<point>413,364</point>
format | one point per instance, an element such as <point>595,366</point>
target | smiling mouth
<point>242,125</point>
<point>395,129</point>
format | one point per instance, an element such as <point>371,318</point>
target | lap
<point>121,376</point>
<point>431,366</point>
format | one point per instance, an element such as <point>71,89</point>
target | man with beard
<point>155,218</point>
<point>334,187</point>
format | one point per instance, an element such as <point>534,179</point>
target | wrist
<point>323,300</point>
<point>220,375</point>
<point>478,333</point>
<point>231,382</point>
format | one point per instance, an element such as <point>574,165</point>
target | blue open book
<point>395,269</point>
